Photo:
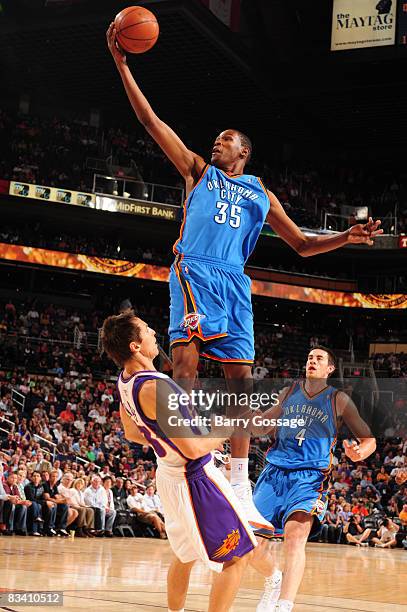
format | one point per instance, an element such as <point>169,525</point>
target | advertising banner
<point>363,23</point>
<point>51,194</point>
<point>116,267</point>
<point>139,207</point>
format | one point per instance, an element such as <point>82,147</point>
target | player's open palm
<point>352,450</point>
<point>118,54</point>
<point>364,234</point>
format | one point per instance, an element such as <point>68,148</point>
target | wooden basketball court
<point>130,574</point>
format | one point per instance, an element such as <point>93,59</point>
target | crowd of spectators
<point>66,450</point>
<point>53,152</point>
<point>366,503</point>
<point>46,151</point>
<point>392,365</point>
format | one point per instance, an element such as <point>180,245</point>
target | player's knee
<point>262,550</point>
<point>184,366</point>
<point>296,535</point>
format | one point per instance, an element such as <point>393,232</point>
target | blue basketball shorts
<point>279,493</point>
<point>212,302</point>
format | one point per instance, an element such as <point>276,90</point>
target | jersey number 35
<point>234,214</point>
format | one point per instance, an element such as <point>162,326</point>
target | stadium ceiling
<point>276,80</point>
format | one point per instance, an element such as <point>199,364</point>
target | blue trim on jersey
<point>223,218</point>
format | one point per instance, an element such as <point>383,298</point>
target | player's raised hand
<point>365,234</point>
<point>352,450</point>
<point>118,54</point>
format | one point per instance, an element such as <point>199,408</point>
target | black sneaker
<point>63,532</point>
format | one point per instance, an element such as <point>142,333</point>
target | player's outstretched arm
<point>306,246</point>
<point>159,402</point>
<point>188,164</point>
<point>366,443</point>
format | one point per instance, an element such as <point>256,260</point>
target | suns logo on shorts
<point>191,321</point>
<point>229,543</point>
<point>319,506</point>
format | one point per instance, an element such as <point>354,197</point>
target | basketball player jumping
<point>291,492</point>
<point>225,210</point>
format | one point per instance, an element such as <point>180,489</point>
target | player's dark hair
<point>118,331</point>
<point>331,355</point>
<point>246,142</point>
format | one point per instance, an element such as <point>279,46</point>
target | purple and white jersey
<point>203,517</point>
<point>166,450</point>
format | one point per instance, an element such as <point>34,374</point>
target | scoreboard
<point>402,23</point>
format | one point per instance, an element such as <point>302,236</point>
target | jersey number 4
<point>222,217</point>
<point>300,437</point>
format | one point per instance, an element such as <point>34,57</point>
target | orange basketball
<point>137,29</point>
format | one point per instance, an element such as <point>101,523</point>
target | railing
<point>137,190</point>
<point>38,339</point>
<point>86,339</point>
<point>18,398</point>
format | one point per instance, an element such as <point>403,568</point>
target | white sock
<point>182,610</point>
<point>276,575</point>
<point>239,470</point>
<point>284,605</point>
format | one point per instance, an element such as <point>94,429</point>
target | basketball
<point>137,29</point>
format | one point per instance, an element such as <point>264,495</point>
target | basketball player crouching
<point>203,517</point>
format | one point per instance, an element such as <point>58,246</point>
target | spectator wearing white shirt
<point>107,395</point>
<point>260,372</point>
<point>80,423</point>
<point>93,414</point>
<point>151,501</point>
<point>95,497</point>
<point>110,511</point>
<point>85,520</point>
<point>135,502</point>
<point>398,460</point>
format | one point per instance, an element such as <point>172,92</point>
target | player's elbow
<point>302,248</point>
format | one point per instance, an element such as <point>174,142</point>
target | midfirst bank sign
<point>363,23</point>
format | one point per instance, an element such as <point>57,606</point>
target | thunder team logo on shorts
<point>191,321</point>
<point>319,506</point>
<point>229,543</point>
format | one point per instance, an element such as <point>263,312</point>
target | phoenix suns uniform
<point>203,517</point>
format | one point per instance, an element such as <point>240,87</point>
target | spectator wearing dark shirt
<point>39,512</point>
<point>119,494</point>
<point>58,508</point>
<point>14,511</point>
<point>355,531</point>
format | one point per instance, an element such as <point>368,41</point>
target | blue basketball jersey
<point>223,217</point>
<point>311,444</point>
